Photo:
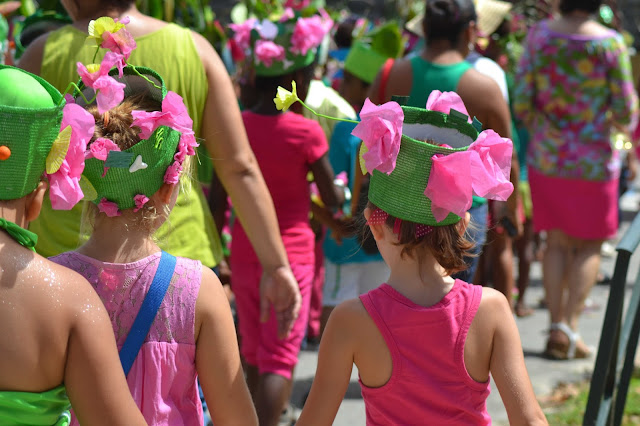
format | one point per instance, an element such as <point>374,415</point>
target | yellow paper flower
<point>284,98</point>
<point>58,151</point>
<point>100,26</point>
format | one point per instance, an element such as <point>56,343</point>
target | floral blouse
<point>569,90</point>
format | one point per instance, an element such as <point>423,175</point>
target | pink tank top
<point>429,383</point>
<point>162,379</point>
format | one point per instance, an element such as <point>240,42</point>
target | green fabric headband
<point>126,177</point>
<point>30,117</point>
<point>401,193</point>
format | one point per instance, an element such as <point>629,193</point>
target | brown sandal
<point>574,348</point>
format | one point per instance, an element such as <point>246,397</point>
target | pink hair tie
<point>379,217</point>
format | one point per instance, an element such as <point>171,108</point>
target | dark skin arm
<point>332,196</point>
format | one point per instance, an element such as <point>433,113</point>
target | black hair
<point>589,6</point>
<point>447,19</point>
<point>271,83</point>
<point>344,32</point>
<point>118,4</point>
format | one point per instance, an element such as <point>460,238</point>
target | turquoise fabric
<point>343,152</point>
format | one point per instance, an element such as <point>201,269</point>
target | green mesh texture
<point>119,185</point>
<point>401,194</point>
<point>29,134</point>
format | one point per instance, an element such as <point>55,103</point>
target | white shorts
<point>348,281</point>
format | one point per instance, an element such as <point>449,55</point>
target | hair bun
<point>445,10</point>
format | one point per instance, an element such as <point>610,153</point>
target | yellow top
<point>190,231</point>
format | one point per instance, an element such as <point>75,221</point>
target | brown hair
<point>115,124</point>
<point>447,244</point>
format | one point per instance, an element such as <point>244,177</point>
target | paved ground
<point>545,374</point>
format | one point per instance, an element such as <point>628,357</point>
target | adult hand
<point>279,288</point>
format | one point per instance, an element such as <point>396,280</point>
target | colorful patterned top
<point>162,379</point>
<point>569,91</point>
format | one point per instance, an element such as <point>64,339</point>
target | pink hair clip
<point>379,217</point>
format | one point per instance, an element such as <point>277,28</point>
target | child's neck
<point>117,241</point>
<point>265,106</point>
<point>424,284</point>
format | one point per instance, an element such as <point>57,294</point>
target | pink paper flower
<point>174,114</point>
<point>140,201</point>
<point>267,51</point>
<point>109,92</point>
<point>172,175</point>
<point>100,149</point>
<point>446,101</point>
<point>64,187</point>
<point>242,33</point>
<point>186,146</point>
<point>380,129</point>
<point>482,170</point>
<point>287,14</point>
<point>119,42</point>
<point>109,208</point>
<point>309,32</point>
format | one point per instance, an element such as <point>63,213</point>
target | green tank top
<point>31,408</point>
<point>428,77</point>
<point>190,231</point>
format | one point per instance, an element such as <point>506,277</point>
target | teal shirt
<point>428,77</point>
<point>343,152</point>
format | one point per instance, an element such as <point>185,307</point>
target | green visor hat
<point>119,180</point>
<point>31,112</point>
<point>369,53</point>
<point>285,42</point>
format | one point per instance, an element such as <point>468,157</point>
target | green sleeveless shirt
<point>190,231</point>
<point>428,77</point>
<point>31,408</point>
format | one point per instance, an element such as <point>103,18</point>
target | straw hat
<point>490,13</point>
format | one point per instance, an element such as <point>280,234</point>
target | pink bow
<point>446,101</point>
<point>483,170</point>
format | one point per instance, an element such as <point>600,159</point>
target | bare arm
<point>217,357</point>
<point>94,378</point>
<point>335,362</point>
<point>331,195</point>
<point>237,169</point>
<point>31,59</point>
<point>508,369</point>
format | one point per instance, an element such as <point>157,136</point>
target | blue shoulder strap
<point>148,311</point>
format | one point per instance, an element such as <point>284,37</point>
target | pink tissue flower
<point>267,51</point>
<point>100,149</point>
<point>380,129</point>
<point>186,146</point>
<point>140,201</point>
<point>446,101</point>
<point>287,14</point>
<point>309,32</point>
<point>172,175</point>
<point>119,42</point>
<point>242,33</point>
<point>174,114</point>
<point>297,4</point>
<point>109,92</point>
<point>109,208</point>
<point>64,187</point>
<point>482,170</point>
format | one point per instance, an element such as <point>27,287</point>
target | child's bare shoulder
<point>493,305</point>
<point>351,315</point>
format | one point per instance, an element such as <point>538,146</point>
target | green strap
<point>25,238</point>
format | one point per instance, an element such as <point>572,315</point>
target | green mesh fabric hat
<point>31,111</point>
<point>35,25</point>
<point>369,53</point>
<point>285,42</point>
<point>426,164</point>
<point>119,180</point>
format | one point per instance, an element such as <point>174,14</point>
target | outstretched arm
<point>237,169</point>
<point>217,358</point>
<point>94,378</point>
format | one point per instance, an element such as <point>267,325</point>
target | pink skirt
<point>587,210</point>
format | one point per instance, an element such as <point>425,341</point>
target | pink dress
<point>429,382</point>
<point>162,379</point>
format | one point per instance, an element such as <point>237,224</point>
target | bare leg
<point>524,247</point>
<point>273,395</point>
<point>582,277</point>
<point>500,247</point>
<point>554,264</point>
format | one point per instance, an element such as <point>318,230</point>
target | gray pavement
<point>545,374</point>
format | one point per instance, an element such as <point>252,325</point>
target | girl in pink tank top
<point>425,345</point>
<point>132,169</point>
